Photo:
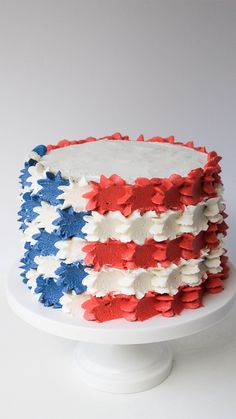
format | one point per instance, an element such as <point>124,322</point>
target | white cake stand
<point>121,356</point>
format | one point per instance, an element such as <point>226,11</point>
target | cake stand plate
<point>120,356</point>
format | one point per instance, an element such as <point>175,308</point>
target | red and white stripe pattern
<point>155,246</point>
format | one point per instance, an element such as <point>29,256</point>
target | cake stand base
<point>123,368</point>
<point>120,356</point>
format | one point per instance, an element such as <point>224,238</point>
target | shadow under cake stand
<point>120,356</point>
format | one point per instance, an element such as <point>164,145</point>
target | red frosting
<point>131,255</point>
<point>131,308</point>
<point>174,192</point>
<point>115,194</point>
<point>66,143</point>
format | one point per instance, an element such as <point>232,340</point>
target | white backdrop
<point>75,68</point>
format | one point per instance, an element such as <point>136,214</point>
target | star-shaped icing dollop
<point>46,215</point>
<point>71,277</point>
<point>70,223</point>
<point>102,227</point>
<point>71,303</point>
<point>50,187</point>
<point>47,265</point>
<point>31,229</point>
<point>71,249</point>
<point>72,195</point>
<point>31,276</point>
<point>50,292</point>
<point>45,243</point>
<point>36,173</point>
<point>26,212</point>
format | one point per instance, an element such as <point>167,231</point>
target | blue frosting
<point>24,176</point>
<point>45,245</point>
<point>71,223</point>
<point>50,291</point>
<point>23,226</point>
<point>28,262</point>
<point>28,259</point>
<point>40,150</point>
<point>50,191</point>
<point>71,277</point>
<point>26,212</point>
<point>68,224</point>
<point>23,274</point>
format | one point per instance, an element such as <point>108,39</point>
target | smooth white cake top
<point>128,159</point>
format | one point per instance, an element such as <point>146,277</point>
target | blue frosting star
<point>23,226</point>
<point>29,256</point>
<point>71,223</point>
<point>45,245</point>
<point>25,173</point>
<point>50,191</point>
<point>26,212</point>
<point>24,176</point>
<point>71,277</point>
<point>40,150</point>
<point>28,263</point>
<point>50,291</point>
<point>23,274</point>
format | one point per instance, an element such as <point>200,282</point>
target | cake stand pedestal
<point>120,356</point>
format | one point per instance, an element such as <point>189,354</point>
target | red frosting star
<point>110,194</point>
<point>167,194</point>
<point>111,253</point>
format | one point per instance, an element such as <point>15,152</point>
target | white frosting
<point>162,280</point>
<point>37,172</point>
<point>30,231</point>
<point>47,265</point>
<point>32,275</point>
<point>73,194</point>
<point>168,225</point>
<point>212,262</point>
<point>71,302</point>
<point>128,159</point>
<point>132,281</point>
<point>46,215</point>
<point>136,227</point>
<point>70,250</point>
<point>35,156</point>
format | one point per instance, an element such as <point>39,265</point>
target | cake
<point>114,228</point>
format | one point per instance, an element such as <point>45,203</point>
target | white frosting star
<point>100,227</point>
<point>47,265</point>
<point>35,156</point>
<point>37,172</point>
<point>165,226</point>
<point>72,194</point>
<point>136,227</point>
<point>70,250</point>
<point>193,220</point>
<point>46,215</point>
<point>192,271</point>
<point>129,282</point>
<point>213,208</point>
<point>102,282</point>
<point>30,231</point>
<point>71,303</point>
<point>213,262</point>
<point>32,275</point>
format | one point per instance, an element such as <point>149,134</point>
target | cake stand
<point>120,356</point>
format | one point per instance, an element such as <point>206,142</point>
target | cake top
<point>129,159</point>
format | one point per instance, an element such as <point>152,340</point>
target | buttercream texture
<point>123,242</point>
